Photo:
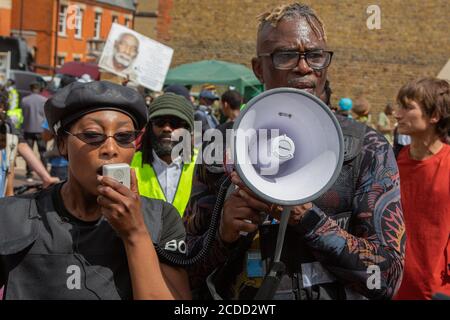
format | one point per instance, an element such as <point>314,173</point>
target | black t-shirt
<point>74,259</point>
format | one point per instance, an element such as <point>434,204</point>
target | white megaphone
<point>288,150</point>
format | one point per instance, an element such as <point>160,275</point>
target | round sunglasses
<point>96,138</point>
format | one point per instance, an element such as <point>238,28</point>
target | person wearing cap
<point>204,112</point>
<point>160,173</point>
<point>91,237</point>
<point>179,90</point>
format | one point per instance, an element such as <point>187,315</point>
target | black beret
<point>78,99</point>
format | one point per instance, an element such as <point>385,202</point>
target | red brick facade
<point>40,24</point>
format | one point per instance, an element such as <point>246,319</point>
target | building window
<point>127,23</point>
<point>60,61</point>
<point>79,23</point>
<point>62,20</point>
<point>97,25</point>
<point>115,19</point>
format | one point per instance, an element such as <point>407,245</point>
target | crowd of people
<point>382,230</point>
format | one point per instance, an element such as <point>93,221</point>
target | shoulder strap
<point>152,211</point>
<point>353,137</point>
<point>19,226</point>
<point>354,133</point>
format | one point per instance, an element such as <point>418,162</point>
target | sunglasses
<point>96,138</point>
<point>173,122</point>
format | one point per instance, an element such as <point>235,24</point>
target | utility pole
<point>55,57</point>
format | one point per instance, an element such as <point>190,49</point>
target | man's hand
<point>245,205</point>
<point>297,212</point>
<point>240,213</point>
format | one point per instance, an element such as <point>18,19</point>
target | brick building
<point>414,39</point>
<point>81,27</point>
<point>5,17</point>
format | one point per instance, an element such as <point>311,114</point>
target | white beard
<point>123,59</point>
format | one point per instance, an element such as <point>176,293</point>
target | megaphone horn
<point>288,150</point>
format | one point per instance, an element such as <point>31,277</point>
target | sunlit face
<point>412,119</point>
<point>85,160</point>
<point>125,50</point>
<point>289,35</point>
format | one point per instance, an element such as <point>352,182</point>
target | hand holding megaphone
<point>274,210</point>
<point>240,214</point>
<point>242,210</point>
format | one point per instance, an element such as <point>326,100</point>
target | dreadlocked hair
<point>146,147</point>
<point>287,11</point>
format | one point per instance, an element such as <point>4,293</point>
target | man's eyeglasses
<point>287,60</point>
<point>96,138</point>
<point>174,123</point>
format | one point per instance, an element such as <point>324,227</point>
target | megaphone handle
<point>281,233</point>
<point>272,280</point>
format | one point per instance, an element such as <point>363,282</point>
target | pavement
<point>20,172</point>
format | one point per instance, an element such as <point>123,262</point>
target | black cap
<point>179,90</point>
<point>78,99</point>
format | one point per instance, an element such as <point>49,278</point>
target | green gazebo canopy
<point>216,72</point>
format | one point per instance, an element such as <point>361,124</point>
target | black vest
<point>41,258</point>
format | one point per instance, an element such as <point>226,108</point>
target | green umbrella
<point>216,72</point>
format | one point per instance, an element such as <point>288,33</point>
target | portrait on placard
<point>134,56</point>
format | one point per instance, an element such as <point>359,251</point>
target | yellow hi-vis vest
<point>149,186</point>
<point>16,117</point>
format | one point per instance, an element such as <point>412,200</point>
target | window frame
<point>79,23</point>
<point>62,13</point>
<point>97,25</point>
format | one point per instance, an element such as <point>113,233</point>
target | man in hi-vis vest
<point>161,175</point>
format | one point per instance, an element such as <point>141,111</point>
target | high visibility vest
<point>13,98</point>
<point>16,117</point>
<point>149,185</point>
<point>14,112</point>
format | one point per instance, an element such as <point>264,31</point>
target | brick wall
<point>37,19</point>
<point>147,25</point>
<point>5,17</point>
<point>5,22</point>
<point>414,39</point>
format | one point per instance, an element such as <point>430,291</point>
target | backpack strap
<point>19,224</point>
<point>353,137</point>
<point>152,211</point>
<point>354,133</point>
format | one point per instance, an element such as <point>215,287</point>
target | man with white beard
<point>126,50</point>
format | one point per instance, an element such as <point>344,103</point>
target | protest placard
<point>127,53</point>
